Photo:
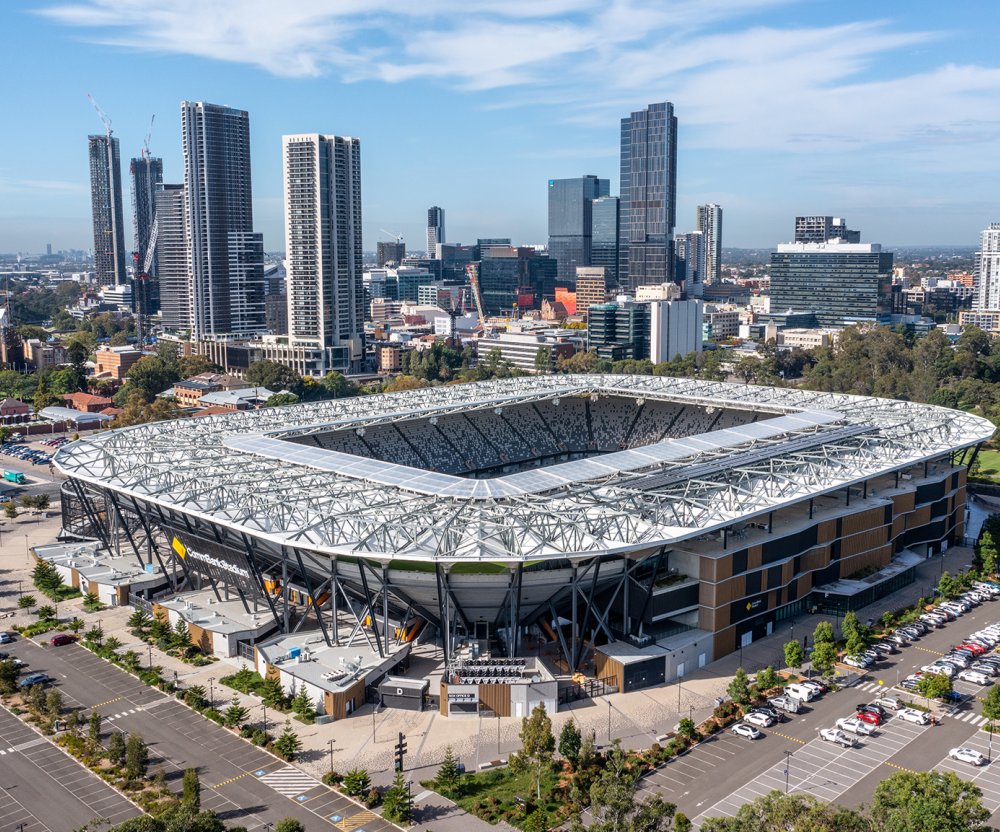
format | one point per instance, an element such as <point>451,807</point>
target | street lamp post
<point>788,763</point>
<point>330,744</point>
<point>149,648</point>
<point>19,589</point>
<point>374,709</point>
<point>265,716</point>
<point>609,722</point>
<point>211,692</point>
<point>989,757</point>
<point>498,736</point>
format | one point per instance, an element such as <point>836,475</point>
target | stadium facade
<point>645,512</point>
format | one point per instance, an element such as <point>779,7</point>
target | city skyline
<point>844,116</point>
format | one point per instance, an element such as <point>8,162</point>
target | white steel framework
<point>338,504</point>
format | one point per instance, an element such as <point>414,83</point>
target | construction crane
<point>145,142</point>
<point>101,113</point>
<point>472,271</point>
<point>141,284</point>
<point>398,237</point>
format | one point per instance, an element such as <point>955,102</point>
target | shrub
<point>288,744</point>
<point>356,782</point>
<point>26,602</point>
<point>46,613</point>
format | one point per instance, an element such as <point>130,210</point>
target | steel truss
<point>185,467</point>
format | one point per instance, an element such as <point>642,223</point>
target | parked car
<point>759,719</point>
<point>977,677</point>
<point>61,639</point>
<point>774,713</point>
<point>891,703</point>
<point>835,735</point>
<point>871,717</point>
<point>35,679</point>
<point>6,638</point>
<point>860,662</point>
<point>885,647</point>
<point>815,684</point>
<point>967,755</point>
<point>914,716</point>
<point>855,726</point>
<point>940,668</point>
<point>801,692</point>
<point>741,729</point>
<point>788,704</point>
<point>873,706</point>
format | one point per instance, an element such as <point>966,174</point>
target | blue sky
<point>886,113</point>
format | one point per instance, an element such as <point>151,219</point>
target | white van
<point>804,693</point>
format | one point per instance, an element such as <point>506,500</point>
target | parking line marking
<point>102,704</point>
<point>787,737</point>
<point>927,650</point>
<point>232,779</point>
<point>901,768</point>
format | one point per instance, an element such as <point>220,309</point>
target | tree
<point>404,382</point>
<point>336,386</point>
<point>569,742</point>
<point>43,397</point>
<point>116,749</point>
<point>396,801</point>
<point>933,685</point>
<point>26,602</point>
<point>46,613</point>
<point>149,376</point>
<point>195,697</point>
<point>94,729</point>
<point>824,656</point>
<point>136,757</point>
<point>356,782</point>
<point>948,586</point>
<point>10,510</point>
<point>289,825</point>
<point>191,798</point>
<point>8,676</point>
<point>288,744</point>
<point>823,632</point>
<point>280,399</point>
<point>739,688</point>
<point>302,704</point>
<point>138,621</point>
<point>794,654</point>
<point>271,693</point>
<point>537,740</point>
<point>928,802</point>
<point>194,365</point>
<point>687,729</point>
<point>449,775</point>
<point>272,375</point>
<point>991,704</point>
<point>850,625</point>
<point>767,679</point>
<point>182,636</point>
<point>614,802</point>
<point>235,715</point>
<point>777,812</point>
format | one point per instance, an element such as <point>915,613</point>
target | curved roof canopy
<point>238,471</point>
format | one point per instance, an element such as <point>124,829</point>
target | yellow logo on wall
<point>749,605</point>
<point>179,548</point>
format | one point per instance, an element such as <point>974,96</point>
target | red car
<point>978,649</point>
<point>61,639</point>
<point>870,717</point>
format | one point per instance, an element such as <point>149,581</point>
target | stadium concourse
<point>635,526</point>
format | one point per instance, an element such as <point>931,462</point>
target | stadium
<point>639,526</point>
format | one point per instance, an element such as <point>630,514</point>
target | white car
<point>967,755</point>
<point>890,703</point>
<point>759,719</point>
<point>860,662</point>
<point>856,726</point>
<point>837,736</point>
<point>977,677</point>
<point>945,669</point>
<point>741,729</point>
<point>913,715</point>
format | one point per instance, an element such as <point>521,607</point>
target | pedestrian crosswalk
<point>113,717</point>
<point>970,717</point>
<point>289,781</point>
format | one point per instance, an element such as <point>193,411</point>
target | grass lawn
<point>989,462</point>
<point>492,795</point>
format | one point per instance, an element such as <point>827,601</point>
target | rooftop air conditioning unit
<point>640,641</point>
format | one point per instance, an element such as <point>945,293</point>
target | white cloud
<point>735,85</point>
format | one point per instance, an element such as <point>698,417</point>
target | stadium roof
<point>237,471</point>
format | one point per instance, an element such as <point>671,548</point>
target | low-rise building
<point>115,362</point>
<point>807,339</point>
<point>91,568</point>
<point>218,624</point>
<point>987,320</point>
<point>244,399</point>
<point>87,402</point>
<point>188,392</point>
<point>39,354</point>
<point>13,411</point>
<point>721,322</point>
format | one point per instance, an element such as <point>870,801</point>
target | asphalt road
<point>242,783</point>
<point>727,771</point>
<point>44,788</point>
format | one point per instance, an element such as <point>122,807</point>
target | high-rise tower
<point>435,229</point>
<point>571,222</point>
<point>226,256</point>
<point>173,259</point>
<point>147,178</point>
<point>323,247</point>
<point>648,201</point>
<point>709,223</point>
<point>106,206</point>
<point>987,275</point>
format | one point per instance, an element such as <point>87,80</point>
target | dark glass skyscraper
<point>147,178</point>
<point>648,195</point>
<point>605,237</point>
<point>106,206</point>
<point>570,222</point>
<point>435,229</point>
<point>227,257</point>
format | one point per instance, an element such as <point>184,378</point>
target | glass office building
<point>605,237</point>
<point>570,221</point>
<point>842,283</point>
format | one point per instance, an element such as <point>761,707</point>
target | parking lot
<point>723,773</point>
<point>239,781</point>
<point>48,790</point>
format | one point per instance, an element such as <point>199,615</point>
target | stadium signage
<point>218,563</point>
